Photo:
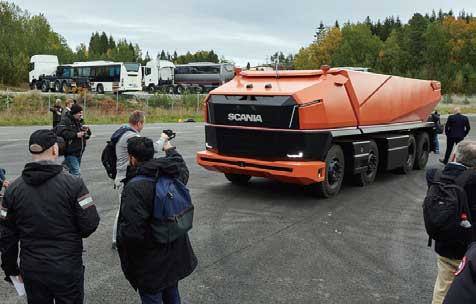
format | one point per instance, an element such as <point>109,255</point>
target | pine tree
<point>320,32</point>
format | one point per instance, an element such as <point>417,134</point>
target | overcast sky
<point>246,30</point>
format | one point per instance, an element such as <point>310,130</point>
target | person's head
<point>137,120</point>
<point>69,103</point>
<point>77,111</point>
<point>58,102</point>
<point>43,145</point>
<point>466,153</point>
<point>457,110</point>
<point>140,149</point>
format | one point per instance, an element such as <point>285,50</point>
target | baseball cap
<point>42,140</point>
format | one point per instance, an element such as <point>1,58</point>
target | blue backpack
<point>173,208</point>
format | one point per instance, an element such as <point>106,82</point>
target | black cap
<point>75,109</point>
<point>42,140</point>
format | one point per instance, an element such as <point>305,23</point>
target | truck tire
<point>239,179</point>
<point>367,177</point>
<point>422,150</point>
<point>33,85</point>
<point>65,87</point>
<point>45,86</point>
<point>100,89</point>
<point>334,173</point>
<point>200,89</point>
<point>170,90</point>
<point>58,87</point>
<point>179,90</point>
<point>410,161</point>
<point>151,89</point>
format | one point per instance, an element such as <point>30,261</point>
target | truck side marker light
<point>268,86</point>
<point>249,86</point>
<point>299,155</point>
<point>319,173</point>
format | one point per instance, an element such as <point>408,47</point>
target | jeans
<point>169,295</point>
<point>73,163</point>
<point>437,144</point>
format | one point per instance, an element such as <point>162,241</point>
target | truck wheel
<point>367,177</point>
<point>334,173</point>
<point>410,161</point>
<point>239,179</point>
<point>422,150</point>
<point>170,90</point>
<point>65,87</point>
<point>151,89</point>
<point>179,90</point>
<point>44,86</point>
<point>200,89</point>
<point>58,87</point>
<point>100,89</point>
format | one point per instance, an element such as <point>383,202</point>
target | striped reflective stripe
<point>85,201</point>
<point>3,213</point>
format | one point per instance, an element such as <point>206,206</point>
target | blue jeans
<point>168,295</point>
<point>73,163</point>
<point>437,144</point>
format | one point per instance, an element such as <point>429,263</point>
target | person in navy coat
<point>456,129</point>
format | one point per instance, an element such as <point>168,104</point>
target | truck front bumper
<point>296,172</point>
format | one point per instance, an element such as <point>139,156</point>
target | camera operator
<point>75,133</point>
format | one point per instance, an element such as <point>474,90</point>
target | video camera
<point>169,133</point>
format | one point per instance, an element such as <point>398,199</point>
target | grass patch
<point>33,109</point>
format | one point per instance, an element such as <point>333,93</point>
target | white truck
<point>41,65</point>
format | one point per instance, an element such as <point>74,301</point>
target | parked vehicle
<point>100,76</point>
<point>316,127</point>
<point>198,77</point>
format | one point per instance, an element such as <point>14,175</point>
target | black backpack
<point>445,209</point>
<point>108,156</point>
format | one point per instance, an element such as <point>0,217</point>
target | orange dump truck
<point>315,127</point>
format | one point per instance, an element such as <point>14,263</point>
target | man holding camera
<point>124,133</point>
<point>75,135</point>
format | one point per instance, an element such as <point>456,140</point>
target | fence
<point>19,108</point>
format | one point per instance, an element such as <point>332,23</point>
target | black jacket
<point>49,212</point>
<point>148,265</point>
<point>68,129</point>
<point>456,250</point>
<point>57,113</point>
<point>457,126</point>
<point>463,288</point>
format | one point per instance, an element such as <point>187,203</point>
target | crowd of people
<point>46,214</point>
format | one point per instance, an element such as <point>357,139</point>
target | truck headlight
<point>298,155</point>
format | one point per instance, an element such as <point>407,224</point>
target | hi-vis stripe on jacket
<point>85,201</point>
<point>3,213</point>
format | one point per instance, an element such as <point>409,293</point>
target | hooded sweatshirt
<point>49,211</point>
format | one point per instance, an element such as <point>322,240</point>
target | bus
<point>108,76</point>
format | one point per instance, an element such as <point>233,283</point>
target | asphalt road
<point>267,242</point>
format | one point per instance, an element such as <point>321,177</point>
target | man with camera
<point>120,137</point>
<point>75,135</point>
<point>153,265</point>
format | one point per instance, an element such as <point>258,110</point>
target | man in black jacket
<point>451,253</point>
<point>75,135</point>
<point>48,212</point>
<point>151,267</point>
<point>456,129</point>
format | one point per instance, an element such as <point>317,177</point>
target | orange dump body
<point>347,98</point>
<point>281,124</point>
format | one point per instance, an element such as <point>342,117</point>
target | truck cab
<point>41,65</point>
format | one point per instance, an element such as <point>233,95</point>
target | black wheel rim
<point>373,164</point>
<point>335,172</point>
<point>411,154</point>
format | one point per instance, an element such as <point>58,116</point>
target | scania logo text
<point>245,117</point>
